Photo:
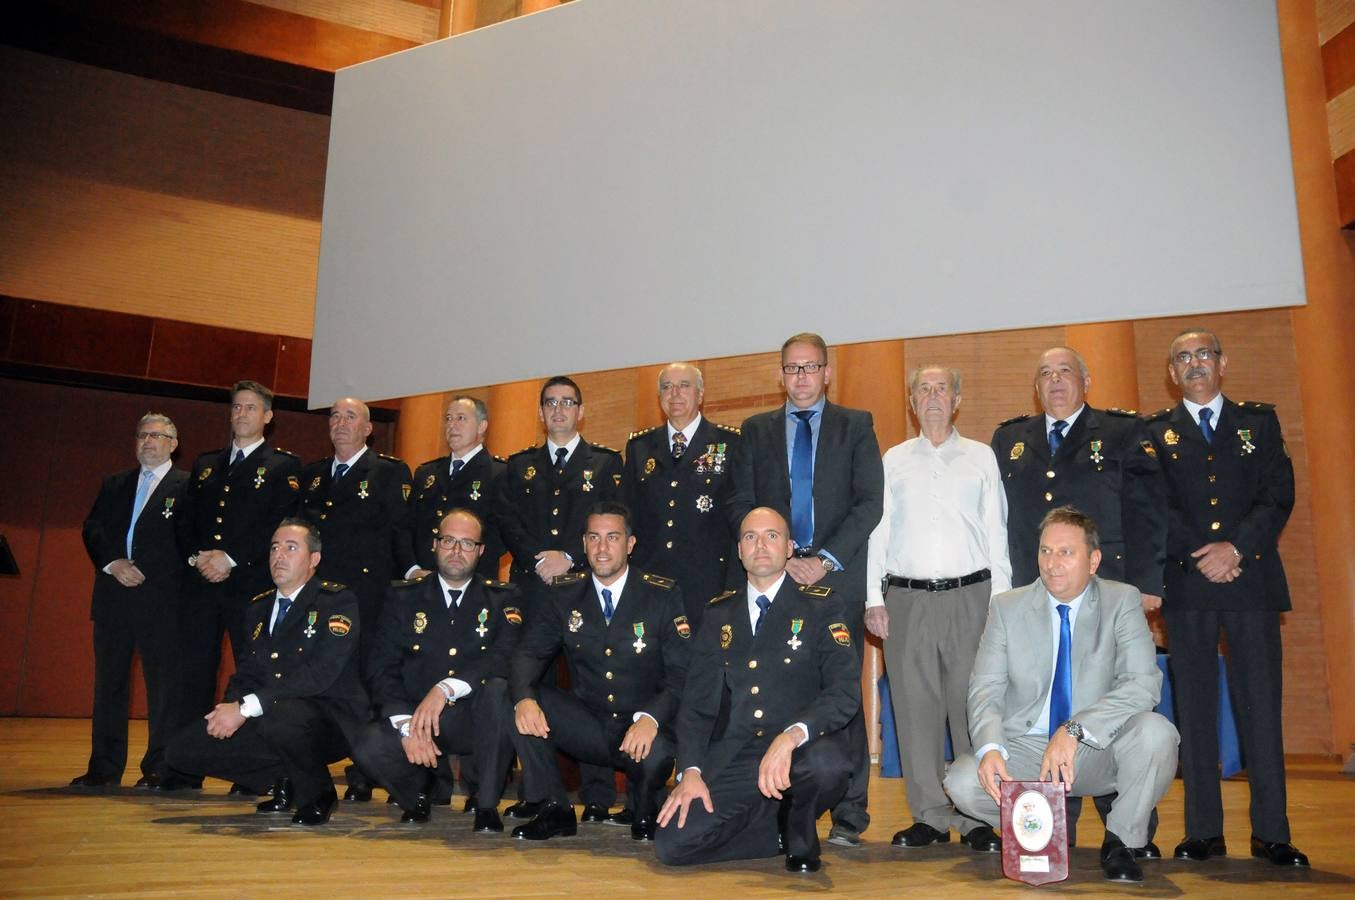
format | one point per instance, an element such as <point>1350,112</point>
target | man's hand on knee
<point>992,772</point>
<point>773,774</point>
<point>690,788</point>
<point>530,719</point>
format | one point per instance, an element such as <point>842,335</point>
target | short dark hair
<point>257,388</point>
<point>560,379</point>
<point>806,337</point>
<point>1070,515</point>
<point>612,508</point>
<point>462,511</point>
<point>481,410</point>
<point>312,533</point>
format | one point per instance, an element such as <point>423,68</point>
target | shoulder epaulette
<point>604,448</point>
<point>285,452</point>
<point>1123,413</point>
<point>1256,404</point>
<point>816,590</point>
<point>332,587</point>
<point>718,598</point>
<point>636,434</point>
<point>568,578</point>
<point>499,458</point>
<point>417,579</point>
<point>431,462</point>
<point>1159,415</point>
<point>391,458</point>
<point>1013,420</point>
<point>731,428</point>
<point>496,585</point>
<point>658,581</point>
<point>263,595</point>
<point>530,449</point>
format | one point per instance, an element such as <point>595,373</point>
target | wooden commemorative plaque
<point>1034,831</point>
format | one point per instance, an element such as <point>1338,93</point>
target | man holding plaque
<point>1064,686</point>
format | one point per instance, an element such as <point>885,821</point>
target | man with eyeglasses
<point>818,465</point>
<point>131,536</point>
<point>1230,490</point>
<point>676,485</point>
<point>469,477</point>
<point>439,677</point>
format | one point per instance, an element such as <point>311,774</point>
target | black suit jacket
<point>1108,469</point>
<point>848,486</point>
<point>238,509</point>
<point>1224,491</point>
<point>476,488</point>
<point>421,641</point>
<point>155,544</point>
<point>606,671</point>
<point>363,520</point>
<point>540,510</point>
<point>678,509</point>
<point>743,689</point>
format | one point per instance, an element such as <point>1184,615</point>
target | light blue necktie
<point>802,481</point>
<point>1056,436</point>
<point>283,605</point>
<point>143,491</point>
<point>1061,692</point>
<point>763,604</point>
<point>607,609</point>
<point>1205,428</point>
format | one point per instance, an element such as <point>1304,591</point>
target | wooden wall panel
<point>199,354</point>
<point>91,340</point>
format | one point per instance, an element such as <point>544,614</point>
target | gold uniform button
<point>416,647</point>
<point>759,732</point>
<point>608,676</point>
<point>674,484</point>
<point>1048,496</point>
<point>227,488</point>
<point>555,532</point>
<point>221,503</point>
<point>1213,478</point>
<point>217,536</point>
<point>434,529</point>
<point>557,492</point>
<point>273,655</point>
<point>277,674</point>
<point>555,511</point>
<point>451,671</point>
<point>323,517</point>
<point>611,698</point>
<point>451,652</point>
<point>608,651</point>
<point>786,660</point>
<point>757,714</point>
<point>753,689</point>
<point>669,545</point>
<point>329,503</point>
<point>1049,474</point>
<point>219,520</point>
<point>752,664</point>
<point>672,503</point>
<point>1213,501</point>
<point>1214,526</point>
<point>670,523</point>
<point>364,571</point>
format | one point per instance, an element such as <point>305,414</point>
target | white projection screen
<point>623,182</point>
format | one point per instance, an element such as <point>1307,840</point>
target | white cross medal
<point>639,636</point>
<point>795,626</point>
<point>362,491</point>
<point>482,618</point>
<point>310,624</point>
<point>258,477</point>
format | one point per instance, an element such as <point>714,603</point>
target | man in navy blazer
<point>818,464</point>
<point>130,536</point>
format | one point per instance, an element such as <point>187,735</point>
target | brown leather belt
<point>938,584</point>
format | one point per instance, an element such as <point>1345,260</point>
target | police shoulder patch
<point>840,633</point>
<point>568,578</point>
<point>658,581</point>
<point>340,625</point>
<point>1159,415</point>
<point>816,590</point>
<point>263,595</point>
<point>718,598</point>
<point>513,615</point>
<point>1123,413</point>
<point>1013,420</point>
<point>332,587</point>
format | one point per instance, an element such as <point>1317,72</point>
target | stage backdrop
<point>621,182</point>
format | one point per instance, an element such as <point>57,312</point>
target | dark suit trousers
<point>1255,680</point>
<point>585,735</point>
<point>147,629</point>
<point>206,612</point>
<point>296,738</point>
<point>851,809</point>
<point>477,725</point>
<point>745,824</point>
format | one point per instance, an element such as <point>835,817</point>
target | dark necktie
<point>802,481</point>
<point>1056,436</point>
<point>455,597</point>
<point>1061,692</point>
<point>607,609</point>
<point>456,466</point>
<point>1205,428</point>
<point>679,444</point>
<point>560,455</point>
<point>763,604</point>
<point>339,470</point>
<point>283,605</point>
<point>239,455</point>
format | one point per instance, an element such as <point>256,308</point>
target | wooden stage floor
<point>58,841</point>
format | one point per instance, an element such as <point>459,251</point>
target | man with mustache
<point>1230,489</point>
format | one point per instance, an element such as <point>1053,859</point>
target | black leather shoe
<point>419,815</point>
<point>390,799</point>
<point>594,813</point>
<point>1147,851</point>
<point>643,830</point>
<point>317,813</point>
<point>842,836</point>
<point>554,820</point>
<point>359,792</point>
<point>920,834</point>
<point>1279,853</point>
<point>147,783</point>
<point>487,820</point>
<point>1117,861</point>
<point>470,806</point>
<point>522,810</point>
<point>1201,849</point>
<point>281,801</point>
<point>90,780</point>
<point>177,783</point>
<point>239,790</point>
<point>802,864</point>
<point>982,839</point>
<point>620,818</point>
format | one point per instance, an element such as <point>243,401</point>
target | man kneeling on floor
<point>773,682</point>
<point>1064,686</point>
<point>296,701</point>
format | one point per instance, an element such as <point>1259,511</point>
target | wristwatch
<point>1074,729</point>
<point>828,564</point>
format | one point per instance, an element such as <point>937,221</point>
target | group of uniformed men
<point>746,674</point>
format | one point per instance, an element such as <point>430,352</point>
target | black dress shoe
<point>1117,861</point>
<point>621,817</point>
<point>594,813</point>
<point>522,810</point>
<point>91,780</point>
<point>920,834</point>
<point>390,799</point>
<point>318,812</point>
<point>982,839</point>
<point>487,820</point>
<point>1147,851</point>
<point>1279,853</point>
<point>147,782</point>
<point>281,801</point>
<point>802,864</point>
<point>843,836</point>
<point>421,812</point>
<point>643,830</point>
<point>1200,849</point>
<point>470,806</point>
<point>239,790</point>
<point>358,793</point>
<point>177,783</point>
<point>554,820</point>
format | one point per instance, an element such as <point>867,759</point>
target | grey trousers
<point>933,637</point>
<point>1139,764</point>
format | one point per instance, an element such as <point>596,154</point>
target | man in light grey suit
<point>1064,686</point>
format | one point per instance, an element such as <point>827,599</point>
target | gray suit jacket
<point>1115,672</point>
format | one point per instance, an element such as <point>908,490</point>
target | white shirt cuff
<point>409,573</point>
<point>804,729</point>
<point>397,721</point>
<point>635,718</point>
<point>983,751</point>
<point>250,707</point>
<point>458,687</point>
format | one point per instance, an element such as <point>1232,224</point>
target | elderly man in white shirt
<point>937,557</point>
